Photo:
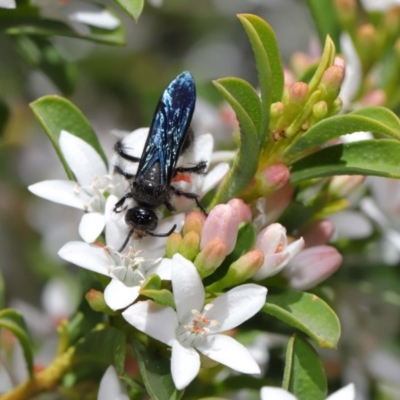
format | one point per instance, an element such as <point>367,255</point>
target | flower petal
<point>237,305</point>
<point>157,321</point>
<point>162,269</point>
<point>214,177</point>
<point>91,14</point>
<point>275,393</point>
<point>111,387</point>
<point>63,192</point>
<point>188,288</point>
<point>229,352</point>
<point>89,256</point>
<point>117,295</point>
<point>82,158</point>
<point>116,228</point>
<point>185,364</point>
<point>91,226</point>
<point>346,393</point>
<point>7,4</point>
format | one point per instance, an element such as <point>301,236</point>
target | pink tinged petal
<point>90,14</point>
<point>272,239</point>
<point>89,256</point>
<point>156,321</point>
<point>188,288</point>
<point>185,364</point>
<point>241,208</point>
<point>214,177</point>
<point>318,232</point>
<point>229,352</point>
<point>274,393</point>
<point>117,295</point>
<point>91,226</point>
<point>111,387</point>
<point>236,306</point>
<point>346,393</point>
<point>82,158</point>
<point>222,223</point>
<point>7,4</point>
<point>63,192</point>
<point>295,247</point>
<point>312,266</point>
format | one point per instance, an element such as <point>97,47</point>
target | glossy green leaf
<point>156,375</point>
<point>132,7</point>
<point>247,106</point>
<point>46,27</point>
<point>55,114</point>
<point>100,349</point>
<point>367,157</point>
<point>306,312</point>
<point>14,322</point>
<point>4,116</point>
<point>326,22</point>
<point>370,119</point>
<point>269,65</point>
<point>40,53</point>
<point>326,61</point>
<point>304,374</point>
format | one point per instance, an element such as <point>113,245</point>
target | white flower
<point>8,4</point>
<point>111,387</point>
<point>200,150</point>
<point>77,14</point>
<point>128,270</point>
<point>274,393</point>
<point>379,5</point>
<point>88,193</point>
<point>273,242</point>
<point>195,326</point>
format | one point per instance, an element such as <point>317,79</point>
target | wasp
<point>169,136</point>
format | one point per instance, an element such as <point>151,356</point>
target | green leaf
<point>370,119</point>
<point>4,115</point>
<point>163,297</point>
<point>44,27</point>
<point>306,312</point>
<point>326,61</point>
<point>304,374</point>
<point>247,106</point>
<point>132,7</point>
<point>40,53</point>
<point>99,349</point>
<point>367,157</point>
<point>55,114</point>
<point>269,64</point>
<point>14,322</point>
<point>2,292</point>
<point>156,375</point>
<point>324,14</point>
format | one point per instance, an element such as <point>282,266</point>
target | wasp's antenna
<point>126,240</point>
<point>161,234</point>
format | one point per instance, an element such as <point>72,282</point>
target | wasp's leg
<point>169,206</point>
<point>188,195</point>
<point>119,171</point>
<point>200,168</point>
<point>120,203</point>
<point>120,150</point>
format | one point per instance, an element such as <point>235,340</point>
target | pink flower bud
<point>277,252</point>
<point>222,223</point>
<point>194,221</point>
<point>331,81</point>
<point>320,110</point>
<point>374,98</point>
<point>343,185</point>
<point>96,300</point>
<point>241,209</point>
<point>211,257</point>
<point>317,232</point>
<point>312,266</point>
<point>275,176</point>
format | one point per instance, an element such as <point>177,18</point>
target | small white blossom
<point>8,4</point>
<point>90,190</point>
<point>196,327</point>
<point>111,387</point>
<point>77,14</point>
<point>275,393</point>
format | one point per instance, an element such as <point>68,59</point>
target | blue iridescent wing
<point>169,127</point>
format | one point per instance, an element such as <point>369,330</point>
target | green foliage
<point>56,114</point>
<point>306,312</point>
<point>304,374</point>
<point>15,323</point>
<point>132,7</point>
